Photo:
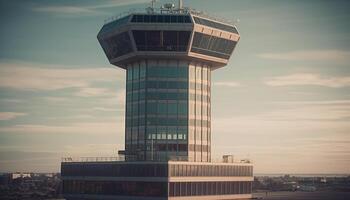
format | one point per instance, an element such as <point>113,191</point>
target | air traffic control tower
<point>169,55</point>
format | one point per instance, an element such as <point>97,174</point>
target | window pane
<point>118,45</point>
<point>212,46</point>
<point>136,73</point>
<point>182,108</point>
<point>162,108</point>
<point>172,108</point>
<point>153,40</point>
<point>140,39</point>
<point>142,71</point>
<point>151,108</point>
<point>170,40</point>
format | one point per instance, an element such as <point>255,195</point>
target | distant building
<point>5,179</point>
<point>20,175</point>
<point>169,55</point>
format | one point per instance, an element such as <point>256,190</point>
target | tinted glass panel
<point>212,46</point>
<point>118,188</point>
<point>153,40</point>
<point>117,45</point>
<point>161,19</point>
<point>161,40</point>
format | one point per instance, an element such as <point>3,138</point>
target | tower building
<point>169,55</point>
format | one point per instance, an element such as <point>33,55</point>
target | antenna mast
<point>152,4</point>
<point>180,5</point>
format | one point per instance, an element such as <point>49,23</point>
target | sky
<point>282,101</point>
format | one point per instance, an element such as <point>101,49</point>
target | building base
<point>147,180</point>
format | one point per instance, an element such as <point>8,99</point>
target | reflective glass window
<point>117,45</point>
<point>167,18</point>
<point>153,18</point>
<point>151,40</point>
<point>212,46</point>
<point>140,39</point>
<point>161,19</point>
<point>136,73</point>
<point>146,18</point>
<point>151,108</point>
<point>172,108</point>
<point>142,71</point>
<point>183,72</point>
<point>182,108</point>
<point>173,19</point>
<point>162,108</point>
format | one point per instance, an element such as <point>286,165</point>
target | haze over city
<point>283,100</point>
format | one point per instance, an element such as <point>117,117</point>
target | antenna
<point>152,4</point>
<point>180,5</point>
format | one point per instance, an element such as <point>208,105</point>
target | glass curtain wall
<point>157,110</point>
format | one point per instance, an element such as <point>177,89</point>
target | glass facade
<point>212,46</point>
<point>117,45</point>
<point>161,19</point>
<point>161,40</point>
<point>181,170</point>
<point>168,111</point>
<point>155,179</point>
<point>216,25</point>
<point>115,170</point>
<point>209,188</point>
<point>118,188</point>
<point>156,189</point>
<point>157,109</point>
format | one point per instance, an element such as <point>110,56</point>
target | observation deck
<point>184,35</point>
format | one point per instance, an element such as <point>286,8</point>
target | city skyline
<point>282,100</point>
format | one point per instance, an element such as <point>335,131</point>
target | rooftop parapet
<point>122,159</point>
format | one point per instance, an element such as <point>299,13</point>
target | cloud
<point>302,79</point>
<point>93,92</point>
<point>299,135</point>
<point>92,128</point>
<point>117,99</point>
<point>10,115</point>
<point>37,160</point>
<point>93,149</point>
<point>312,55</point>
<point>29,76</point>
<point>67,10</point>
<point>85,10</point>
<point>331,102</point>
<point>9,100</point>
<point>227,84</point>
<point>104,109</point>
<point>118,3</point>
<point>56,99</point>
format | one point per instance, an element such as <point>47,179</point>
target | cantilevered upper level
<point>181,34</point>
